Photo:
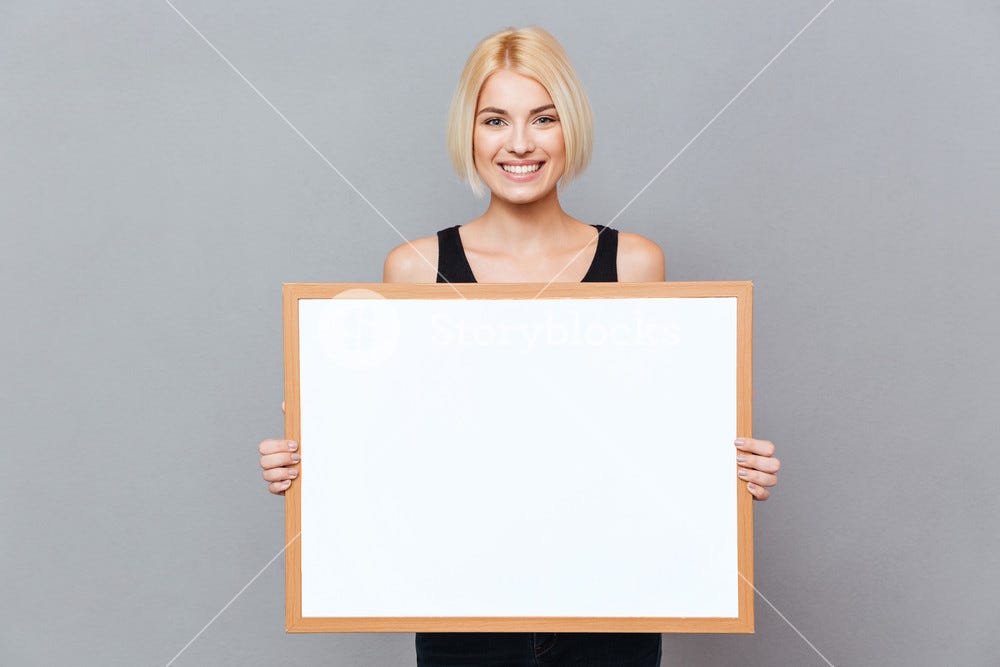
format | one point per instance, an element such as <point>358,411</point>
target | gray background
<point>152,205</point>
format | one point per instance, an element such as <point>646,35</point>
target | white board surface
<point>518,457</point>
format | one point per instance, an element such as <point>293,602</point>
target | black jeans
<point>539,649</point>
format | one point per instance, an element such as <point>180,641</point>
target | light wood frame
<point>741,290</point>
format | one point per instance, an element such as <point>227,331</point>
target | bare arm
<point>640,259</point>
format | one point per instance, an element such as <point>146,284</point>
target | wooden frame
<point>743,622</point>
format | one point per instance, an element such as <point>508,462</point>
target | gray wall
<point>152,205</point>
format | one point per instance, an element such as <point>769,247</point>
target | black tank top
<point>453,265</point>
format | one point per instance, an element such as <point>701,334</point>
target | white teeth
<point>524,169</point>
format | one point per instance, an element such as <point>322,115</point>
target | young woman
<point>520,126</point>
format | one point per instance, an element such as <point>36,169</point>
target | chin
<point>527,199</point>
<point>523,197</point>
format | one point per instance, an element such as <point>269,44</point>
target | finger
<point>282,406</point>
<point>759,493</point>
<point>763,463</point>
<point>272,446</point>
<point>762,447</point>
<point>756,477</point>
<point>279,488</point>
<point>279,474</point>
<point>282,459</point>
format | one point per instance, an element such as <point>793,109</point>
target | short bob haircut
<point>535,53</point>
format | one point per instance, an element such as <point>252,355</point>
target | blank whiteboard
<point>516,457</point>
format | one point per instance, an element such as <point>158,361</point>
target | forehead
<point>512,91</point>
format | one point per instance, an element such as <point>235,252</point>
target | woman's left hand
<point>757,465</point>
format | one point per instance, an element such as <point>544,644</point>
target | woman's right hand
<point>278,458</point>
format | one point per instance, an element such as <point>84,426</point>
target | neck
<point>525,228</point>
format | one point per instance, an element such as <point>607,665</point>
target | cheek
<point>555,145</point>
<point>482,150</point>
<point>478,159</point>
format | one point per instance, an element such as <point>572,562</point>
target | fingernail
<point>292,445</point>
<point>751,486</point>
<point>293,473</point>
<point>741,472</point>
<point>296,458</point>
<point>739,442</point>
<point>287,482</point>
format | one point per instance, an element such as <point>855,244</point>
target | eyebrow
<point>504,113</point>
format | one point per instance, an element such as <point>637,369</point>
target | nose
<point>519,141</point>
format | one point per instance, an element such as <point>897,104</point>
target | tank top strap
<point>604,268</point>
<point>453,265</point>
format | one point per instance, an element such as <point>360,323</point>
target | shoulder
<point>412,262</point>
<point>639,259</point>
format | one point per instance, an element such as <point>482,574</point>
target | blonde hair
<point>535,53</point>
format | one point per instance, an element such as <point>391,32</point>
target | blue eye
<point>489,121</point>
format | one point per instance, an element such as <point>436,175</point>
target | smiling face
<point>517,142</point>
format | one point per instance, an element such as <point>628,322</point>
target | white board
<point>518,457</point>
